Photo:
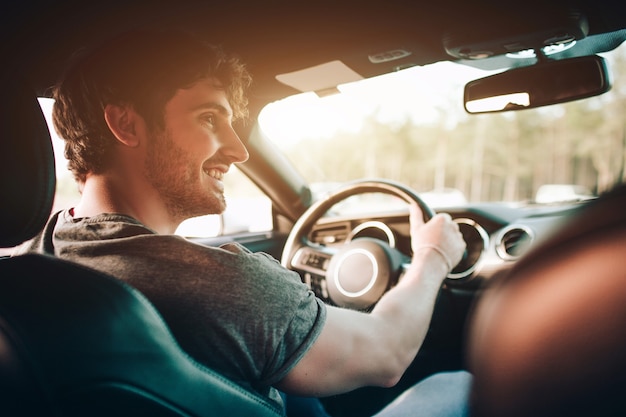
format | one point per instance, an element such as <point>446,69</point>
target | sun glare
<point>412,94</point>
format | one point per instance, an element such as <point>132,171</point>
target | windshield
<point>410,126</point>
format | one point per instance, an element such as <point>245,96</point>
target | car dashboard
<point>496,235</point>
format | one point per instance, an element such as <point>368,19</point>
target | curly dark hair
<point>140,69</point>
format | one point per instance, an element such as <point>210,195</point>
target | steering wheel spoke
<point>312,259</point>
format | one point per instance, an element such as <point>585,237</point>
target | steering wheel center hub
<point>356,272</point>
<point>360,273</point>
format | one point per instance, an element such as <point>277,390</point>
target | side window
<point>248,209</point>
<point>67,194</point>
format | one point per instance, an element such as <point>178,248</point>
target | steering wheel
<point>359,272</point>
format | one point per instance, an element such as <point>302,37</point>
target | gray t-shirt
<point>238,312</point>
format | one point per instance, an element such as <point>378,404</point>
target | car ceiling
<point>277,37</point>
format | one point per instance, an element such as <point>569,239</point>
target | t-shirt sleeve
<point>289,317</point>
<point>302,331</point>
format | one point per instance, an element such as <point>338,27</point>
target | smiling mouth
<point>214,173</point>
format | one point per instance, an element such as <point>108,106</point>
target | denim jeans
<point>444,394</point>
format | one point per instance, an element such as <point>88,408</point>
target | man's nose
<point>234,147</point>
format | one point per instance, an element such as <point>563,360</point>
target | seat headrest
<point>27,172</point>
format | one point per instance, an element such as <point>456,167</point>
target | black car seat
<point>73,341</point>
<point>549,339</point>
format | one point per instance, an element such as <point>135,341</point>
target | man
<point>147,120</point>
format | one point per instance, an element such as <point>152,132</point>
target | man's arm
<point>358,349</point>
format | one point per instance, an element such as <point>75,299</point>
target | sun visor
<point>323,79</point>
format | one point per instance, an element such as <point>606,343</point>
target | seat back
<point>27,176</point>
<point>73,341</point>
<point>77,342</point>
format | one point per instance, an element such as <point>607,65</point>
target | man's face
<point>187,161</point>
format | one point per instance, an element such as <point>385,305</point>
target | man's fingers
<point>415,215</point>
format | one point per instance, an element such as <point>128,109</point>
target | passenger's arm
<point>357,349</point>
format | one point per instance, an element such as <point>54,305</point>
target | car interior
<point>74,341</point>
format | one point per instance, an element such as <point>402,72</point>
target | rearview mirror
<point>539,85</point>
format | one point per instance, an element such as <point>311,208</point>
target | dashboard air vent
<point>330,234</point>
<point>514,242</point>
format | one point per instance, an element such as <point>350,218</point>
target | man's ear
<point>122,121</point>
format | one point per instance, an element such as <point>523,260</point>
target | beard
<point>175,175</point>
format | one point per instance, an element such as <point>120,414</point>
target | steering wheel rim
<point>297,239</point>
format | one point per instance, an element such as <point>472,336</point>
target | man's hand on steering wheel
<point>440,234</point>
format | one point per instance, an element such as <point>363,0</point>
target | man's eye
<point>209,118</point>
